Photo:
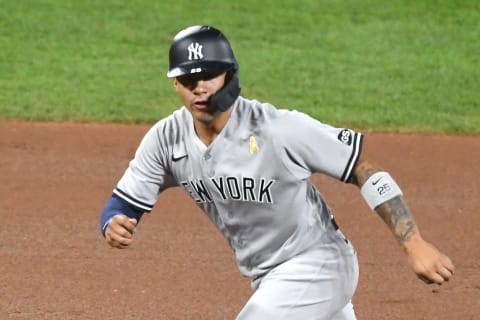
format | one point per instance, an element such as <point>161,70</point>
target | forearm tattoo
<point>397,216</point>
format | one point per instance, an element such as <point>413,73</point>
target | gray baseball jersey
<point>253,181</point>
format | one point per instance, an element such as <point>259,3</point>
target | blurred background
<point>400,65</point>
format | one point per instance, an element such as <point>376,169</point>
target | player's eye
<point>190,80</point>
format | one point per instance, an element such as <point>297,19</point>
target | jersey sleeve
<point>147,174</point>
<point>314,147</point>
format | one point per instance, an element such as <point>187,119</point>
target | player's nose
<point>200,87</point>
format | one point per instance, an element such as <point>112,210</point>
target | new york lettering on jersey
<point>230,189</point>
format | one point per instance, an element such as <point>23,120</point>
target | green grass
<point>369,64</point>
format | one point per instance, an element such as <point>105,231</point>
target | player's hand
<point>427,262</point>
<point>120,230</point>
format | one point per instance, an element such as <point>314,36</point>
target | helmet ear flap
<point>226,96</point>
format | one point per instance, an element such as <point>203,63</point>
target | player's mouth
<point>203,104</point>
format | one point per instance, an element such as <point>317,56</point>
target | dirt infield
<point>54,264</point>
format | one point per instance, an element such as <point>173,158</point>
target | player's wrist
<point>413,241</point>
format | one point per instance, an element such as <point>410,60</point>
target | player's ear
<point>175,84</point>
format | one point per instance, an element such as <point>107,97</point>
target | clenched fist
<point>428,263</point>
<point>120,230</point>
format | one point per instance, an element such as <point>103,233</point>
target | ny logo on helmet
<point>195,51</point>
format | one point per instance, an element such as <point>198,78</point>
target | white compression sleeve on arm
<point>379,188</point>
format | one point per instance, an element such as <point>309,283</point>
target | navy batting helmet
<point>200,49</point>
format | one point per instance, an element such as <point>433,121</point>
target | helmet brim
<point>204,66</point>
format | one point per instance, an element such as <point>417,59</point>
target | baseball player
<point>248,166</point>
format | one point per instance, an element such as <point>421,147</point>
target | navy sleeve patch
<point>346,136</point>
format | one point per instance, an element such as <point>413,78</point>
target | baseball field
<point>82,81</point>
